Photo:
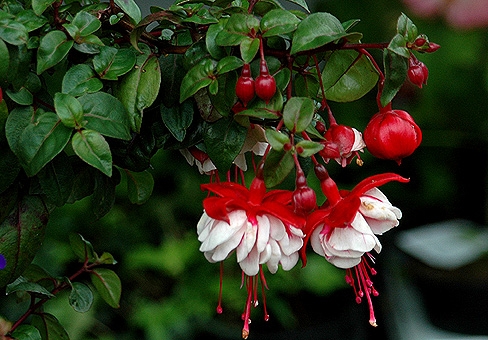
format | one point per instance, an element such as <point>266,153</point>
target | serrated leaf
<point>224,140</point>
<point>139,88</point>
<point>36,138</point>
<point>68,109</point>
<point>277,22</point>
<point>108,285</point>
<point>277,166</point>
<point>105,114</point>
<point>92,148</point>
<point>112,63</point>
<point>130,8</point>
<point>406,28</point>
<point>396,67</point>
<point>348,76</point>
<point>26,332</point>
<point>22,285</point>
<point>139,186</point>
<point>80,297</point>
<point>82,248</point>
<point>298,113</point>
<point>53,47</point>
<point>80,79</point>
<point>198,77</point>
<point>315,31</point>
<point>22,233</point>
<point>49,327</point>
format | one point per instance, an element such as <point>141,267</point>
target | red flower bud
<point>392,134</point>
<point>265,83</point>
<point>417,72</point>
<point>432,47</point>
<point>304,197</point>
<point>245,85</point>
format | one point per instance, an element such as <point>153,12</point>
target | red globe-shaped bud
<point>304,197</point>
<point>245,85</point>
<point>417,72</point>
<point>265,83</point>
<point>432,47</point>
<point>392,134</point>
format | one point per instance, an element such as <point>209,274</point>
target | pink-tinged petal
<point>316,240</point>
<point>222,231</point>
<point>263,232</point>
<point>296,231</point>
<point>344,263</point>
<point>250,264</point>
<point>247,243</point>
<point>377,248</point>
<point>288,262</point>
<point>376,181</point>
<point>344,239</point>
<point>277,228</point>
<point>290,244</point>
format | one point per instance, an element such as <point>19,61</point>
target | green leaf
<point>80,79</point>
<point>9,168</point>
<point>68,109</point>
<point>92,148</point>
<point>407,28</point>
<point>130,8</point>
<point>49,327</point>
<point>112,63</point>
<point>237,29</point>
<point>306,86</point>
<point>26,332</point>
<point>139,186</point>
<point>13,32</point>
<point>276,139</point>
<point>108,285</point>
<point>139,88</point>
<point>348,76</point>
<point>172,73</point>
<point>56,180</point>
<point>103,197</point>
<point>277,22</point>
<point>396,67</point>
<point>20,65</point>
<point>82,25</point>
<point>105,114</point>
<point>178,119</point>
<point>398,45</point>
<point>198,77</point>
<point>277,166</point>
<point>228,64</point>
<point>39,6</point>
<point>82,248</point>
<point>22,233</point>
<point>298,113</point>
<point>249,48</point>
<point>35,138</point>
<point>107,258</point>
<point>53,47</point>
<point>308,147</point>
<point>4,60</point>
<point>217,52</point>
<point>224,140</point>
<point>301,3</point>
<point>30,19</point>
<point>22,285</point>
<point>202,17</point>
<point>21,97</point>
<point>315,31</point>
<point>80,297</point>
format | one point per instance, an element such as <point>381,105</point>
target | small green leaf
<point>277,22</point>
<point>83,25</point>
<point>249,48</point>
<point>237,29</point>
<point>13,32</point>
<point>22,285</point>
<point>398,45</point>
<point>53,47</point>
<point>315,31</point>
<point>80,297</point>
<point>39,6</point>
<point>130,8</point>
<point>277,166</point>
<point>92,148</point>
<point>224,140</point>
<point>108,285</point>
<point>178,119</point>
<point>217,52</point>
<point>105,114</point>
<point>228,64</point>
<point>396,67</point>
<point>301,3</point>
<point>26,332</point>
<point>298,113</point>
<point>276,139</point>
<point>139,186</point>
<point>112,63</point>
<point>49,327</point>
<point>30,20</point>
<point>308,148</point>
<point>21,97</point>
<point>198,77</point>
<point>107,258</point>
<point>407,28</point>
<point>80,79</point>
<point>68,109</point>
<point>82,248</point>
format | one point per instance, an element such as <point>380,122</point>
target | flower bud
<point>304,197</point>
<point>432,47</point>
<point>417,72</point>
<point>245,85</point>
<point>392,134</point>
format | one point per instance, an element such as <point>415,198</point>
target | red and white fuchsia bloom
<point>345,228</point>
<point>259,226</point>
<point>341,143</point>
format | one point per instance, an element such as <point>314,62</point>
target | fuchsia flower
<point>345,228</point>
<point>417,73</point>
<point>341,143</point>
<point>259,226</point>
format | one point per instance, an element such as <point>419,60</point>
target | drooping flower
<point>417,73</point>
<point>341,143</point>
<point>344,230</point>
<point>258,225</point>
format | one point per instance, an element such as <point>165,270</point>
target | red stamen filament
<point>219,306</point>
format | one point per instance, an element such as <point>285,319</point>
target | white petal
<point>360,225</point>
<point>275,257</point>
<point>344,263</point>
<point>222,231</point>
<point>277,228</point>
<point>292,244</point>
<point>316,241</point>
<point>380,227</point>
<point>265,255</point>
<point>240,161</point>
<point>188,156</point>
<point>288,262</point>
<point>250,264</point>
<point>247,242</point>
<point>350,239</point>
<point>263,232</point>
<point>222,251</point>
<point>203,226</point>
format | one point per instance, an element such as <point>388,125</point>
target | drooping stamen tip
<point>358,300</point>
<point>245,334</point>
<point>373,323</point>
<point>266,317</point>
<point>219,309</point>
